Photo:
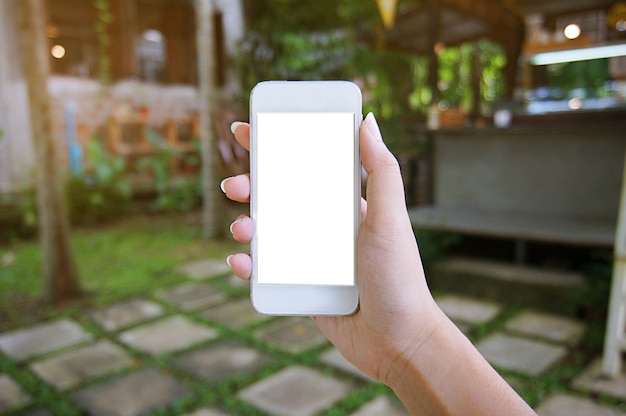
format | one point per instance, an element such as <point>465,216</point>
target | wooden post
<point>615,337</point>
<point>59,270</point>
<point>213,211</point>
<point>123,32</point>
<point>433,64</point>
<point>476,76</point>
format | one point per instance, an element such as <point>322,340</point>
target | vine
<point>105,18</point>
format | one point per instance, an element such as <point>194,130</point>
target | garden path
<point>199,349</point>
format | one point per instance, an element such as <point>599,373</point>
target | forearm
<point>446,375</point>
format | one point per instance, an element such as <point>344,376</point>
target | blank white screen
<point>305,204</point>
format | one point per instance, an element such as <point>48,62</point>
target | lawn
<point>115,261</point>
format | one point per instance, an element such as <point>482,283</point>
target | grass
<point>114,262</point>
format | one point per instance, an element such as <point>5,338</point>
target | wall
<point>95,103</point>
<point>16,148</point>
<point>567,172</point>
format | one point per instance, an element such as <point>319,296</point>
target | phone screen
<point>305,199</point>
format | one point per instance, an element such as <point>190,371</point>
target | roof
<point>454,22</point>
<point>458,21</point>
<point>557,6</point>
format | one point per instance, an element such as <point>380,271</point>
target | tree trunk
<point>213,211</point>
<point>59,270</point>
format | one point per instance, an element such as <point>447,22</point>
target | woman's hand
<point>397,313</point>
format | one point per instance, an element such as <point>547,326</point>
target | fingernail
<point>228,260</point>
<point>372,126</point>
<point>238,220</point>
<point>223,183</point>
<point>234,126</point>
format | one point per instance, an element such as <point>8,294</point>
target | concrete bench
<point>558,186</point>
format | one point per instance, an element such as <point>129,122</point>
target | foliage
<point>455,73</point>
<point>342,40</point>
<point>181,195</point>
<point>102,191</point>
<point>105,18</point>
<point>18,215</point>
<point>588,75</point>
<point>595,298</point>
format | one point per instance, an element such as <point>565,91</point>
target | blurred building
<point>144,49</point>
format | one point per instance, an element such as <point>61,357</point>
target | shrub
<point>101,192</point>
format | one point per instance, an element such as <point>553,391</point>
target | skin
<point>398,335</point>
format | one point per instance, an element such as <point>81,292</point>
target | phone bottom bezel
<point>304,300</point>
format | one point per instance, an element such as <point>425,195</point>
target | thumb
<point>385,191</point>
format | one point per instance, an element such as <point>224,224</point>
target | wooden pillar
<point>179,33</point>
<point>213,207</point>
<point>476,75</point>
<point>433,39</point>
<point>58,267</point>
<point>123,33</point>
<point>513,50</point>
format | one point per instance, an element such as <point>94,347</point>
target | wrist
<point>446,375</point>
<point>426,339</point>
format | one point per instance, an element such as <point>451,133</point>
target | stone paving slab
<point>551,327</point>
<point>334,359</point>
<point>295,391</point>
<point>381,406</point>
<point>203,269</point>
<point>42,338</point>
<point>12,396</point>
<point>566,405</point>
<point>234,281</point>
<point>519,354</point>
<point>169,335</point>
<point>192,296</point>
<point>236,314</point>
<point>294,334</point>
<point>75,367</point>
<point>468,310</point>
<point>133,394</point>
<point>593,380</point>
<point>220,361</point>
<point>125,314</point>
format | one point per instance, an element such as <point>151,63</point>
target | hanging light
<point>572,31</point>
<point>57,51</point>
<point>387,9</point>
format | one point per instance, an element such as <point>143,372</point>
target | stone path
<point>199,349</point>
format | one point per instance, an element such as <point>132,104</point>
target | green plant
<point>18,215</point>
<point>105,18</point>
<point>600,270</point>
<point>102,191</point>
<point>180,194</point>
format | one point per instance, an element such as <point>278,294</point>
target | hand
<point>397,313</point>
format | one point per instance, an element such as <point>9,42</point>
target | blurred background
<point>507,118</point>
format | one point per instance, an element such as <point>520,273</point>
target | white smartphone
<point>305,197</point>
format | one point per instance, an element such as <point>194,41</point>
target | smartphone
<point>305,197</point>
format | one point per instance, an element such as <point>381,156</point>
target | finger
<point>241,264</point>
<point>237,187</point>
<point>385,192</point>
<point>242,133</point>
<point>242,229</point>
